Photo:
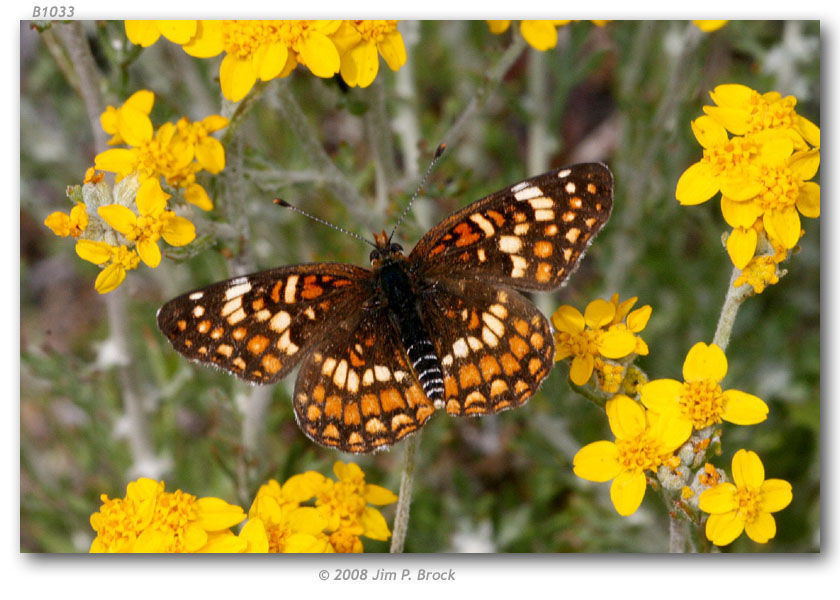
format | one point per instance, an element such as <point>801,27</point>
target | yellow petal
<point>733,119</point>
<point>210,154</point>
<point>374,523</point>
<point>207,41</point>
<point>193,537</point>
<point>149,252</point>
<point>719,499</point>
<point>671,430</point>
<point>616,343</point>
<point>783,226</point>
<point>392,49</point>
<point>808,201</point>
<point>237,77</point>
<point>59,222</point>
<point>696,185</point>
<point>304,543</point>
<point>597,461</point>
<point>638,319</point>
<point>376,494</point>
<point>361,64</point>
<point>805,165</point>
<point>214,514</point>
<point>96,252</point>
<point>179,32</point>
<point>178,231</point>
<point>732,94</point>
<point>747,470</point>
<point>307,519</point>
<point>809,131</point>
<point>709,132</point>
<point>141,100</point>
<point>121,161</point>
<point>542,35</point>
<point>776,494</point>
<point>142,33</point>
<point>740,214</point>
<point>255,536</point>
<point>109,279</point>
<point>741,245</point>
<point>302,487</point>
<point>599,313</point>
<point>195,194</point>
<point>214,122</point>
<point>738,185</point>
<point>134,126</point>
<point>708,25</point>
<point>581,369</point>
<point>626,417</point>
<point>270,59</point>
<point>498,26</point>
<point>151,199</point>
<point>119,217</point>
<point>627,492</point>
<point>319,54</point>
<point>762,528</point>
<point>226,543</point>
<point>741,408</point>
<point>724,528</point>
<point>662,395</point>
<point>568,319</point>
<point>705,362</point>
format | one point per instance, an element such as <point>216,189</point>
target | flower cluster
<point>541,35</point>
<point>307,513</point>
<point>265,50</point>
<point>762,172</point>
<point>118,227</point>
<point>603,340</point>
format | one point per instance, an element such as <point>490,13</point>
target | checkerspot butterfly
<point>444,327</point>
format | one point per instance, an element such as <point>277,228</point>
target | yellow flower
<point>153,222</point>
<point>146,33</point>
<point>597,333</point>
<point>195,136</point>
<point>118,260</point>
<point>150,519</point>
<point>708,26</point>
<point>541,35</point>
<point>759,272</point>
<point>700,401</point>
<point>360,42</point>
<point>277,523</point>
<point>643,441</point>
<point>742,111</point>
<point>746,504</point>
<point>130,123</point>
<point>72,225</point>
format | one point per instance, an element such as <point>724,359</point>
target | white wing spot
<point>564,173</point>
<point>459,347</point>
<point>510,244</point>
<point>528,193</point>
<point>196,295</point>
<point>237,288</point>
<point>483,223</point>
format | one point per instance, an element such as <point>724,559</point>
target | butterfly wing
<point>356,391</point>
<point>528,236</point>
<point>259,326</point>
<point>495,346</point>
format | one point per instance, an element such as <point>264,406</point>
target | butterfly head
<point>386,251</point>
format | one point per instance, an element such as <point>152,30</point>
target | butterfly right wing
<point>260,326</point>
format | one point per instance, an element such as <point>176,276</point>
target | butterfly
<point>380,350</point>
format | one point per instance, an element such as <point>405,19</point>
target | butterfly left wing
<point>356,390</point>
<point>528,236</point>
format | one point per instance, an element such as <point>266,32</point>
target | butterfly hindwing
<point>528,236</point>
<point>259,326</point>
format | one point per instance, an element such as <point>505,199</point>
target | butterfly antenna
<point>281,202</point>
<point>438,154</point>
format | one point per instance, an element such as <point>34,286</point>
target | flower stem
<point>734,298</point>
<point>404,502</point>
<point>678,534</point>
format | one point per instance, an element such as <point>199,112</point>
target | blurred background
<point>624,93</point>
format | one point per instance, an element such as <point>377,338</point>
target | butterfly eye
<point>396,248</point>
<point>374,255</point>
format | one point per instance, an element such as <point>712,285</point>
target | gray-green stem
<point>406,485</point>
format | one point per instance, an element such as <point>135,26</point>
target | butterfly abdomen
<point>403,306</point>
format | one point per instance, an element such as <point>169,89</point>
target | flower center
<point>702,402</point>
<point>780,188</point>
<point>243,38</point>
<point>732,155</point>
<point>173,512</point>
<point>639,453</point>
<point>747,500</point>
<point>765,115</point>
<point>374,30</point>
<point>127,259</point>
<point>582,343</point>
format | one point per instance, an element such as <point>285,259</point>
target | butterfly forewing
<point>528,236</point>
<point>260,326</point>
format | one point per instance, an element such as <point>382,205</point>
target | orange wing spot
<point>520,217</point>
<point>521,326</point>
<point>543,249</point>
<point>474,320</point>
<point>355,439</point>
<point>276,291</point>
<point>311,291</point>
<point>338,282</point>
<point>474,397</point>
<point>375,426</point>
<point>466,235</point>
<point>257,344</point>
<point>519,346</point>
<point>313,413</point>
<point>509,364</point>
<point>468,376</point>
<point>534,365</point>
<point>572,235</point>
<point>225,350</point>
<point>188,343</point>
<point>258,304</point>
<point>319,393</point>
<point>351,414</point>
<point>271,363</point>
<point>239,363</point>
<point>489,367</point>
<point>544,272</point>
<point>332,407</point>
<point>330,432</point>
<point>204,326</point>
<point>355,360</point>
<point>437,249</point>
<point>537,340</point>
<point>391,400</point>
<point>591,188</point>
<point>560,271</point>
<point>521,387</point>
<point>239,333</point>
<point>575,202</point>
<point>499,386</point>
<point>551,230</point>
<point>497,217</point>
<point>370,405</point>
<point>370,341</point>
<point>502,405</point>
<point>379,442</point>
<point>415,396</point>
<point>402,420</point>
<point>423,413</point>
<point>453,407</point>
<point>217,333</point>
<point>203,350</point>
<point>450,386</point>
<point>182,325</point>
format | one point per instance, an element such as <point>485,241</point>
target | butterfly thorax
<point>401,301</point>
